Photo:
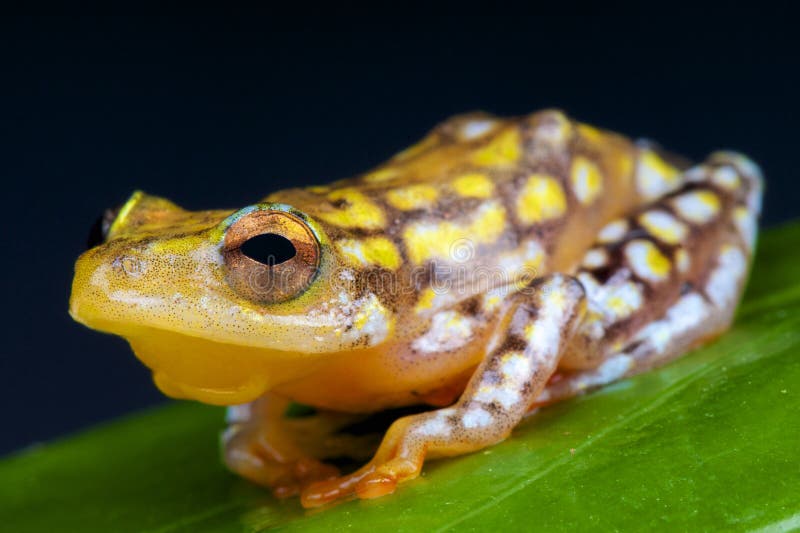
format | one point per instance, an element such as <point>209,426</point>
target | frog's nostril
<point>99,230</point>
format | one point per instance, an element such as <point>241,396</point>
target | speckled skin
<point>497,265</point>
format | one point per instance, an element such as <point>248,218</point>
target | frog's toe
<point>367,483</point>
<point>302,473</point>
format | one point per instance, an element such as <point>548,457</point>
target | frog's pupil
<point>269,249</point>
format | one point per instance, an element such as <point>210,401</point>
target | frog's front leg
<point>534,326</point>
<point>265,446</point>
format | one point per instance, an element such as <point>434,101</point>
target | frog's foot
<point>527,347</point>
<point>399,458</point>
<point>263,445</point>
<point>258,456</point>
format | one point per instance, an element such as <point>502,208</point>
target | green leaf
<point>708,442</point>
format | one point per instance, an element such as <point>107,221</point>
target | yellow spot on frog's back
<point>726,177</point>
<point>663,226</point>
<point>489,223</point>
<point>358,211</point>
<point>318,189</point>
<point>646,260</point>
<point>430,239</point>
<point>425,300</point>
<point>503,150</point>
<point>378,251</point>
<point>587,180</point>
<point>542,198</point>
<point>473,186</point>
<point>373,318</point>
<point>697,206</point>
<point>655,177</point>
<point>412,197</point>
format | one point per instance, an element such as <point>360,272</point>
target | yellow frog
<point>497,265</point>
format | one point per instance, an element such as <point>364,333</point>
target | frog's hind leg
<point>268,447</point>
<point>533,328</point>
<point>666,279</point>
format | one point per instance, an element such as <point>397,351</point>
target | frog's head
<point>222,306</point>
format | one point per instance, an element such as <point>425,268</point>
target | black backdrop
<point>216,112</point>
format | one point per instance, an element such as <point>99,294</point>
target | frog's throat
<point>194,368</point>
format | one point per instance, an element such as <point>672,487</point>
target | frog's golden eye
<point>270,256</point>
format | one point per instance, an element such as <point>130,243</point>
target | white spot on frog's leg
<point>726,177</point>
<point>477,128</point>
<point>611,370</point>
<point>238,413</point>
<point>724,282</point>
<point>746,224</point>
<point>595,258</point>
<point>544,335</point>
<point>515,366</point>
<point>436,426</point>
<point>687,313</point>
<point>744,164</point>
<point>449,330</point>
<point>587,180</point>
<point>697,206</point>
<point>505,396</point>
<point>613,231</point>
<point>664,226</point>
<point>646,260</point>
<point>476,417</point>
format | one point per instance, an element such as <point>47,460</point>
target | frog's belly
<point>383,377</point>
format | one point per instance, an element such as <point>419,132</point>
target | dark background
<point>218,111</point>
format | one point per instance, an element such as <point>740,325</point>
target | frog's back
<point>515,195</point>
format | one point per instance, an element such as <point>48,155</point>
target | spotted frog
<point>496,266</point>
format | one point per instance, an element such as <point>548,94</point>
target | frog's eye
<point>270,256</point>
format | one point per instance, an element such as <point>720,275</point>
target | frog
<point>497,266</point>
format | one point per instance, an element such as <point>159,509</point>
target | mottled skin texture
<point>497,265</point>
